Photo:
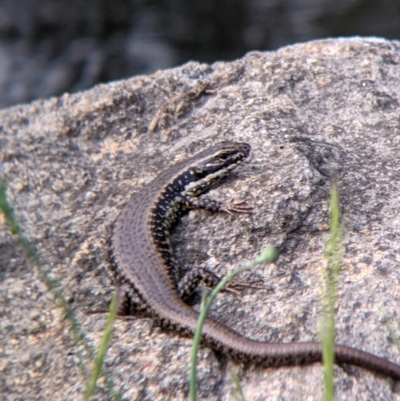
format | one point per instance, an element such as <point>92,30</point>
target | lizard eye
<point>223,156</point>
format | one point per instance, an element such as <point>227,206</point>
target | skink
<point>147,273</point>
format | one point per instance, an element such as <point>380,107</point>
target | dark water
<point>51,46</point>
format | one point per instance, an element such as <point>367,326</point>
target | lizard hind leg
<point>191,280</point>
<point>200,275</point>
<point>129,301</point>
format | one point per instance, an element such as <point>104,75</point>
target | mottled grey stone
<point>313,113</point>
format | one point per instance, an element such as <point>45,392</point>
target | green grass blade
<point>238,392</point>
<point>99,359</point>
<point>269,255</point>
<point>334,262</point>
<point>54,287</point>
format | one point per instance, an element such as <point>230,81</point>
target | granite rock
<point>314,113</point>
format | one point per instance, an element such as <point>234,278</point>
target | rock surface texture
<point>312,113</point>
